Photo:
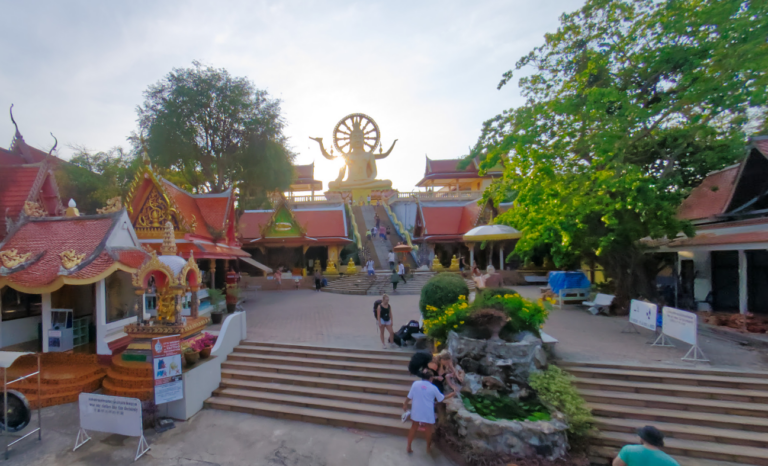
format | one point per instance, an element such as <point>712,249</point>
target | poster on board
<point>166,367</point>
<point>680,325</point>
<point>643,314</point>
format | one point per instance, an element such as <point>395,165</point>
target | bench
<point>572,295</point>
<point>601,303</point>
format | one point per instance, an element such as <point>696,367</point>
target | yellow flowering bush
<point>524,315</point>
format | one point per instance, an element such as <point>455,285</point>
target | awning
<point>491,233</point>
<point>256,264</point>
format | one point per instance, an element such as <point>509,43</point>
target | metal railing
<point>434,195</point>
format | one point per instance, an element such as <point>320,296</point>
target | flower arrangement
<point>524,315</point>
<point>208,340</point>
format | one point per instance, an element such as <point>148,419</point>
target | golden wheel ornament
<point>356,122</point>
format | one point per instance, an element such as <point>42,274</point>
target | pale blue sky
<point>426,71</point>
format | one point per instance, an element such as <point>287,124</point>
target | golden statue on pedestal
<point>356,137</point>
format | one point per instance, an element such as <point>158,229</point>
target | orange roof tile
<point>711,197</point>
<point>711,239</point>
<point>318,224</point>
<point>214,210</point>
<point>15,184</point>
<point>450,220</point>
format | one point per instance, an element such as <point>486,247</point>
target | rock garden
<point>513,406</point>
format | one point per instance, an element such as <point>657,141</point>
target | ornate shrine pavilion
<point>204,224</point>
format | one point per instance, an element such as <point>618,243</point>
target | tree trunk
<point>629,268</point>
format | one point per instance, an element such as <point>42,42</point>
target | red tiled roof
<point>711,239</point>
<point>711,197</point>
<point>46,238</point>
<point>204,250</point>
<point>9,158</point>
<point>214,210</point>
<point>318,224</point>
<point>188,207</point>
<point>761,144</point>
<point>450,220</point>
<point>15,185</point>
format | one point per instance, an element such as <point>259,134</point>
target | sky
<point>425,71</point>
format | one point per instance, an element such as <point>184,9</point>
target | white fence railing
<point>425,196</point>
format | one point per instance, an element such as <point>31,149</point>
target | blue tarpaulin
<point>560,280</point>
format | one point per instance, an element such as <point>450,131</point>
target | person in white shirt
<point>422,397</point>
<point>369,267</point>
<point>391,258</point>
<point>401,271</point>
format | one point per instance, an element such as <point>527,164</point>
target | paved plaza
<point>226,438</point>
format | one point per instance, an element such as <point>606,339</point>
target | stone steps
<point>718,416</point>
<point>346,387</point>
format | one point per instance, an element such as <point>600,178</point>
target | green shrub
<point>554,386</point>
<point>440,291</point>
<point>524,315</point>
<point>484,295</point>
<point>443,320</point>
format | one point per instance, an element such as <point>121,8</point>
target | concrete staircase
<point>343,387</point>
<point>709,416</point>
<point>362,284</point>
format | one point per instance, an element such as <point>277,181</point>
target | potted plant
<point>216,297</point>
<point>191,356</point>
<point>199,347</point>
<point>233,294</point>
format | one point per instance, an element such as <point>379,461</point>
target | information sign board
<point>112,414</point>
<point>680,325</point>
<point>166,367</point>
<point>643,314</point>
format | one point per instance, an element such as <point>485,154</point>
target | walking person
<point>401,271</point>
<point>422,398</point>
<point>648,453</point>
<point>395,279</point>
<point>383,233</point>
<point>391,259</point>
<point>384,319</point>
<point>318,279</point>
<point>377,220</point>
<point>370,267</point>
<point>279,277</point>
<point>389,231</point>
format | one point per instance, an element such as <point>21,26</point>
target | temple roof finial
<point>18,134</point>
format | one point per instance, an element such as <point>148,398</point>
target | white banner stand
<point>641,314</point>
<point>112,414</point>
<point>661,340</point>
<point>683,326</point>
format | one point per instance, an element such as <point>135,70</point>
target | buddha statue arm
<point>322,148</point>
<point>382,155</point>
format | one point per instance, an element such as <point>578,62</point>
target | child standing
<point>422,397</point>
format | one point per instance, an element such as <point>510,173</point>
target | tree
<point>93,178</point>
<point>629,104</point>
<point>216,131</point>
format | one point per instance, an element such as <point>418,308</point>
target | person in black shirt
<point>384,320</point>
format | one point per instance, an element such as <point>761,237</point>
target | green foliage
<point>442,290</point>
<point>487,293</point>
<point>554,386</point>
<point>494,409</point>
<point>216,297</point>
<point>216,131</point>
<point>93,178</point>
<point>629,104</point>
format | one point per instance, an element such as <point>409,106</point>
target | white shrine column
<point>46,319</point>
<point>743,302</point>
<point>501,257</point>
<point>101,318</point>
<point>471,247</point>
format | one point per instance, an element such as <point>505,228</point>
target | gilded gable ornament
<point>11,258</point>
<point>113,205</point>
<point>71,259</point>
<point>33,209</point>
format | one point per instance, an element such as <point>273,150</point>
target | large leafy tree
<point>628,105</point>
<point>215,131</point>
<point>93,178</point>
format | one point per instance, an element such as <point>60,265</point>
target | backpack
<point>375,306</point>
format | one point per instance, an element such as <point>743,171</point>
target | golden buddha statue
<point>330,269</point>
<point>351,269</point>
<point>356,137</point>
<point>454,267</point>
<point>436,265</point>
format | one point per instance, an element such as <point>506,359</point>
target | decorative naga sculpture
<point>356,137</point>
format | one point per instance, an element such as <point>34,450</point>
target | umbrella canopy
<point>403,248</point>
<point>491,233</point>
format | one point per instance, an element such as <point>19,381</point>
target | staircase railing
<point>355,231</point>
<point>402,231</point>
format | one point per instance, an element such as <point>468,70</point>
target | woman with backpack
<point>384,320</point>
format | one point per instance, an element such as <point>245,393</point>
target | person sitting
<point>451,374</point>
<point>648,453</point>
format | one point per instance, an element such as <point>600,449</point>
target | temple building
<point>204,224</point>
<point>725,266</point>
<point>297,237</point>
<point>445,175</point>
<point>304,181</point>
